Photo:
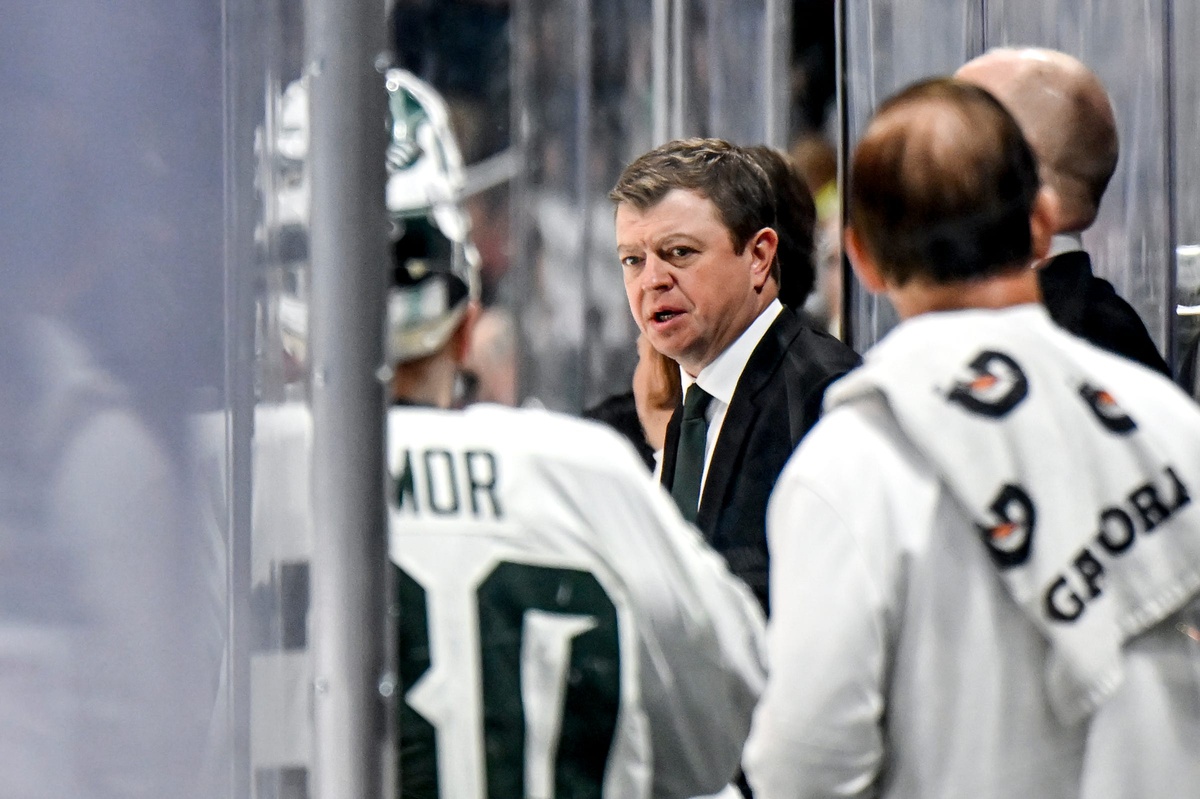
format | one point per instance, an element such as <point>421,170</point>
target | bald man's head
<point>1065,114</point>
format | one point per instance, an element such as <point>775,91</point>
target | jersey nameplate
<point>441,482</point>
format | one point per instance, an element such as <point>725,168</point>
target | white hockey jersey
<point>563,632</point>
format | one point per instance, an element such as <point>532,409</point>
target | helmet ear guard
<point>427,300</point>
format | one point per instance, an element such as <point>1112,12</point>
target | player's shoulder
<point>569,439</point>
<point>531,432</point>
<point>859,474</point>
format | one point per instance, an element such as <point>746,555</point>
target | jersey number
<point>550,662</point>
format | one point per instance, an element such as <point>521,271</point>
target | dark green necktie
<point>689,458</point>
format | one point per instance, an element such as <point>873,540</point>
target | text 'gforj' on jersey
<point>562,629</point>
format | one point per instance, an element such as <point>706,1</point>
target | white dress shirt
<point>720,378</point>
<point>1064,242</point>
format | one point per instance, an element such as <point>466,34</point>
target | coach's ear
<point>762,246</point>
<point>865,265</point>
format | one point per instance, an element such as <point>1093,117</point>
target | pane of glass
<point>1124,44</point>
<point>889,44</point>
<point>113,617</point>
<point>550,100</point>
<point>268,406</point>
<point>1185,174</point>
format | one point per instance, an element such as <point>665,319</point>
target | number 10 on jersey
<point>527,705</point>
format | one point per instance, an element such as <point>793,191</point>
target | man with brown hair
<point>985,557</point>
<point>1068,120</point>
<point>697,242</point>
<point>795,221</point>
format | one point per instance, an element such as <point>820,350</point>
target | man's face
<point>689,292</point>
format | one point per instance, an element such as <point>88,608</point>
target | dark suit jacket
<point>777,399</point>
<point>620,413</point>
<point>1088,306</point>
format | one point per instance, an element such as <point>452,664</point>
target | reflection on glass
<point>551,100</point>
<point>1124,44</point>
<point>891,43</point>
<point>111,580</point>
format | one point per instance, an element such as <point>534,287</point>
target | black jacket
<point>1088,306</point>
<point>777,399</point>
<point>620,413</point>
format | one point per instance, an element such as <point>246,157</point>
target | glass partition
<point>884,46</point>
<point>306,223</point>
<point>582,104</point>
<point>113,558</point>
<point>268,414</point>
<point>887,44</point>
<point>551,99</point>
<point>1185,184</point>
<point>1126,45</point>
<point>156,469</point>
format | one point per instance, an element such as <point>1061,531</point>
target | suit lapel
<point>741,415</point>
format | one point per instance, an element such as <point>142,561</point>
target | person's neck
<point>918,296</point>
<point>427,382</point>
<point>763,300</point>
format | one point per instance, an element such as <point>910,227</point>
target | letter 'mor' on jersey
<point>444,482</point>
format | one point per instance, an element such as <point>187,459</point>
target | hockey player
<point>563,632</point>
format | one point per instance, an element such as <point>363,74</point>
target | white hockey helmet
<point>436,266</point>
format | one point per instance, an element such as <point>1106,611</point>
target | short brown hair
<point>943,185</point>
<point>795,218</point>
<point>723,173</point>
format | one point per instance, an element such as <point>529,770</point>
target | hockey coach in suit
<point>697,241</point>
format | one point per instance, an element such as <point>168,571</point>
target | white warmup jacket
<point>563,630</point>
<point>901,665</point>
